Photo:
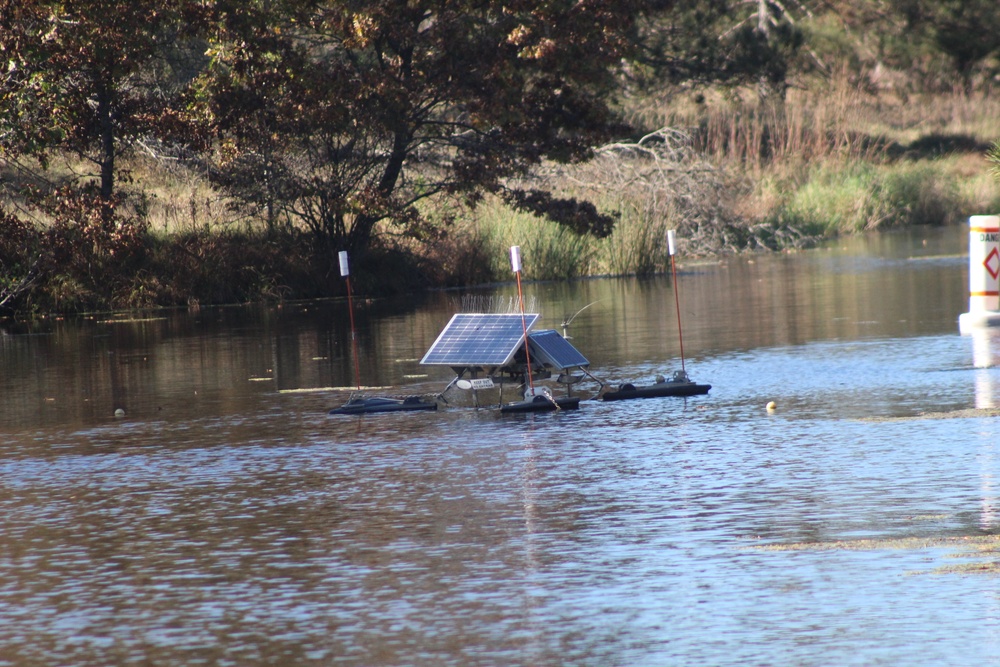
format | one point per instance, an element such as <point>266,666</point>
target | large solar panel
<point>477,339</point>
<point>552,349</point>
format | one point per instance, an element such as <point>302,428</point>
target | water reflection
<point>210,360</point>
<point>227,520</point>
<point>986,359</point>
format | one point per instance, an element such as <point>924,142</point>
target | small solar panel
<point>552,349</point>
<point>477,339</point>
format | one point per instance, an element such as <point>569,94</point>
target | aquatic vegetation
<point>982,547</point>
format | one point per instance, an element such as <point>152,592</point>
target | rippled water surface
<point>226,519</point>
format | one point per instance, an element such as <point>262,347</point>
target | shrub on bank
<point>83,257</point>
<point>836,198</point>
<point>81,263</point>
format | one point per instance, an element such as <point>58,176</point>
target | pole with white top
<point>515,265</point>
<point>345,273</point>
<point>677,299</point>
<point>984,274</point>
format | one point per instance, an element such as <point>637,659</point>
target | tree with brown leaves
<point>345,115</point>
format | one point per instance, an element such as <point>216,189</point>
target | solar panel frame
<point>479,340</point>
<point>550,348</point>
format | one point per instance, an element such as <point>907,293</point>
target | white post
<point>984,274</point>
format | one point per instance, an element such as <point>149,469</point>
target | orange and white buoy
<point>984,274</point>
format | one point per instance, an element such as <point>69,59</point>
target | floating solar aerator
<point>499,346</point>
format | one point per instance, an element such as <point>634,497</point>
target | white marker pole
<point>345,273</point>
<point>984,274</point>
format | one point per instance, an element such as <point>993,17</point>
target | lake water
<point>226,519</point>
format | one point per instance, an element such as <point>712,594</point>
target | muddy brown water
<point>226,519</point>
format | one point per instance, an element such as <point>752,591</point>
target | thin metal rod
<point>354,342</point>
<point>677,303</point>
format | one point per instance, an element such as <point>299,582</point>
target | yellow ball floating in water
<point>119,413</point>
<point>771,406</point>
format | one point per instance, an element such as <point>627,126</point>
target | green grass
<point>834,198</point>
<point>550,252</point>
<point>638,244</point>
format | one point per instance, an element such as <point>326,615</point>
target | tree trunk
<point>105,118</point>
<point>764,18</point>
<point>360,235</point>
<point>770,93</point>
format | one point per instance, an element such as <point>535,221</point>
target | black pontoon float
<point>369,404</point>
<point>678,385</point>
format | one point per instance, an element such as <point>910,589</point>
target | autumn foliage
<point>341,116</point>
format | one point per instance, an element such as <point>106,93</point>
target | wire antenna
<point>569,320</point>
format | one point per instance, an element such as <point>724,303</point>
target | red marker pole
<point>515,264</point>
<point>345,272</point>
<point>677,300</point>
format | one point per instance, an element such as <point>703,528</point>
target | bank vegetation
<point>170,152</point>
